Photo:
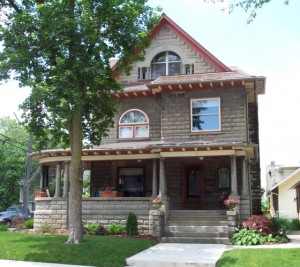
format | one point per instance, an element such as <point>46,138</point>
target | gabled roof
<point>166,21</point>
<point>295,174</point>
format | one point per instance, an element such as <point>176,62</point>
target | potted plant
<point>157,203</point>
<point>39,193</point>
<point>109,191</point>
<point>231,203</point>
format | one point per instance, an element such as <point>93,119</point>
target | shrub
<point>3,227</point>
<point>284,225</point>
<point>17,222</point>
<point>247,237</point>
<point>259,223</point>
<point>46,228</point>
<point>131,224</point>
<point>115,229</point>
<point>28,224</point>
<point>95,229</point>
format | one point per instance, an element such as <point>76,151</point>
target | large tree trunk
<point>75,196</point>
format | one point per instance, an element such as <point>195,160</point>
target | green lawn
<point>260,258</point>
<point>102,251</point>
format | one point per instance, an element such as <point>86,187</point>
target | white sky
<point>269,46</point>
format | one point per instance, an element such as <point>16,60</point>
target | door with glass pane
<point>193,185</point>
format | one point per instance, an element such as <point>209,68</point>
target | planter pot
<point>109,194</point>
<point>39,193</point>
<point>156,206</point>
<point>231,207</point>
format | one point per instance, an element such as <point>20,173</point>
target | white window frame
<point>166,63</point>
<point>208,114</point>
<point>133,126</point>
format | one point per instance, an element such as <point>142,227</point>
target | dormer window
<point>165,63</point>
<point>133,124</point>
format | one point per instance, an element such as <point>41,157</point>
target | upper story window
<point>165,63</point>
<point>134,124</point>
<point>205,115</point>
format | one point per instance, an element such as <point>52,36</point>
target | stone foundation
<point>104,211</point>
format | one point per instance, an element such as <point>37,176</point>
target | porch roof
<point>150,149</point>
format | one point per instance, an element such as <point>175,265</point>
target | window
<point>205,115</point>
<point>134,124</point>
<point>165,63</point>
<point>131,182</point>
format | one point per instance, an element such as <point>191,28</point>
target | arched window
<point>165,63</point>
<point>134,124</point>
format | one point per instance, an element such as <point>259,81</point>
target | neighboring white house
<point>282,192</point>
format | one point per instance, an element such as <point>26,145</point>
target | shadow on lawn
<point>226,261</point>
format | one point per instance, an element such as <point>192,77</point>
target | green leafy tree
<point>13,146</point>
<point>247,5</point>
<point>61,49</point>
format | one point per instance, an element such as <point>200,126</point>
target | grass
<point>260,258</point>
<point>102,251</point>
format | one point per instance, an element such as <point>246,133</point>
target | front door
<point>193,183</point>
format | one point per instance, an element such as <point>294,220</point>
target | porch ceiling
<point>149,150</point>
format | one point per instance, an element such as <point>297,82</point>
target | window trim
<point>211,114</point>
<point>133,126</point>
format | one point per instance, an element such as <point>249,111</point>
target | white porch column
<point>245,188</point>
<point>234,191</point>
<point>58,179</point>
<point>162,178</point>
<point>66,180</point>
<point>154,178</point>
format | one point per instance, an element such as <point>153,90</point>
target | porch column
<point>234,191</point>
<point>42,178</point>
<point>154,178</point>
<point>245,188</point>
<point>162,178</point>
<point>58,179</point>
<point>66,180</point>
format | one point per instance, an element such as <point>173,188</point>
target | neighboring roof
<point>293,175</point>
<point>295,185</point>
<point>166,21</point>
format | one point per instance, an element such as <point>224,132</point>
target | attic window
<point>133,123</point>
<point>165,63</point>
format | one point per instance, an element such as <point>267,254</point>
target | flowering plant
<point>157,201</point>
<point>231,202</point>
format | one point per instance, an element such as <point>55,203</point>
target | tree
<point>246,5</point>
<point>61,49</point>
<point>13,144</point>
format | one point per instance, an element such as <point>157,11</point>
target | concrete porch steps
<point>201,227</point>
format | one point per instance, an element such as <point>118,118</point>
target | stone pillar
<point>162,178</point>
<point>66,180</point>
<point>245,185</point>
<point>234,190</point>
<point>154,178</point>
<point>58,179</point>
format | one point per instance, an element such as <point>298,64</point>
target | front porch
<point>185,178</point>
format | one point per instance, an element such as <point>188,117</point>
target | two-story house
<point>186,131</point>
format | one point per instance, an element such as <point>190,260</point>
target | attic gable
<point>166,22</point>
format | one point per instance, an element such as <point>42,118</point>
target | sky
<point>269,46</point>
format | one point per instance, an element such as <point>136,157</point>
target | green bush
<point>95,229</point>
<point>46,228</point>
<point>281,226</point>
<point>28,224</point>
<point>131,224</point>
<point>3,227</point>
<point>247,237</point>
<point>115,229</point>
